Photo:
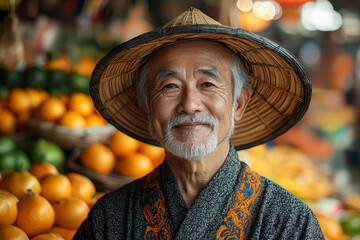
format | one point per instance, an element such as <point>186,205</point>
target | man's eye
<point>170,85</point>
<point>208,84</point>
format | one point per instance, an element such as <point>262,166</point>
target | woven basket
<point>70,138</point>
<point>108,182</point>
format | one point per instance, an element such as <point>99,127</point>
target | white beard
<point>194,150</point>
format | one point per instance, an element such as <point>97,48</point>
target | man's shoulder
<point>128,192</point>
<point>278,212</point>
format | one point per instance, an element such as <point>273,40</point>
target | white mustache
<point>180,119</point>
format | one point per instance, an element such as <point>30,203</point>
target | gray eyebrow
<point>163,74</point>
<point>210,71</point>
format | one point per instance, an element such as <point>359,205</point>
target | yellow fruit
<point>134,165</point>
<point>8,122</point>
<point>19,100</point>
<point>95,120</point>
<point>70,212</point>
<point>35,214</point>
<point>51,109</point>
<point>55,187</point>
<point>72,119</point>
<point>18,183</point>
<point>67,234</point>
<point>37,96</point>
<point>40,170</point>
<point>81,103</point>
<point>98,158</point>
<point>11,232</point>
<point>47,236</point>
<point>8,207</point>
<point>123,145</point>
<point>82,186</point>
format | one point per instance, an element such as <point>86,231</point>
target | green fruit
<point>57,79</point>
<point>37,78</point>
<point>7,144</point>
<point>15,161</point>
<point>350,223</point>
<point>26,144</point>
<point>78,83</point>
<point>47,151</point>
<point>4,91</point>
<point>13,79</point>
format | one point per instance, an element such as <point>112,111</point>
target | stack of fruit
<point>44,202</point>
<point>17,107</point>
<point>122,156</point>
<point>73,111</point>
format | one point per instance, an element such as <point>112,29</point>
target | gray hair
<point>240,79</point>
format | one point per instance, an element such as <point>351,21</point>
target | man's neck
<point>193,176</point>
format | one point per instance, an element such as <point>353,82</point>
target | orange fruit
<point>51,109</point>
<point>62,62</point>
<point>95,120</point>
<point>47,236</point>
<point>70,212</point>
<point>67,234</point>
<point>35,214</point>
<point>40,170</point>
<point>85,66</point>
<point>19,100</point>
<point>157,154</point>
<point>18,183</point>
<point>37,96</point>
<point>95,197</point>
<point>98,158</point>
<point>82,186</point>
<point>72,119</point>
<point>11,232</point>
<point>135,165</point>
<point>8,122</point>
<point>55,187</point>
<point>81,103</point>
<point>122,145</point>
<point>8,207</point>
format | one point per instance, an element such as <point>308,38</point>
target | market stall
<point>54,142</point>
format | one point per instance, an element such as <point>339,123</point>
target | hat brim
<point>281,88</point>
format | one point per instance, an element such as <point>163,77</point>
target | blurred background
<point>54,45</point>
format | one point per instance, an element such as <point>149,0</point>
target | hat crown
<point>191,16</point>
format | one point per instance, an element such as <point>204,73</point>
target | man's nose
<point>190,102</point>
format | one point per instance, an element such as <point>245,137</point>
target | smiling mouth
<point>190,125</point>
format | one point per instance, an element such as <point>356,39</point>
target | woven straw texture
<point>281,89</point>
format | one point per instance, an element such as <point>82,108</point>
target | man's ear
<point>241,103</point>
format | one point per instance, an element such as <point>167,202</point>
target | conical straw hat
<point>281,88</point>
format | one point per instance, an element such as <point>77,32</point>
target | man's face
<point>191,100</point>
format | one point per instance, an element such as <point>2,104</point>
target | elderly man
<point>195,90</point>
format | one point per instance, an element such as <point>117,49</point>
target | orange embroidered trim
<point>238,219</point>
<point>157,225</point>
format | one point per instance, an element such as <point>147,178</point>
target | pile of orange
<point>123,155</point>
<point>16,109</point>
<point>73,111</point>
<point>44,204</point>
